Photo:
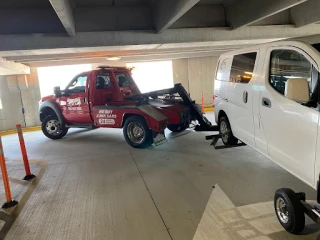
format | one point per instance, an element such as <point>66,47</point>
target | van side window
<point>288,64</point>
<point>242,67</point>
<point>223,71</point>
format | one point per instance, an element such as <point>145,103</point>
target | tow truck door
<point>101,91</point>
<point>74,104</point>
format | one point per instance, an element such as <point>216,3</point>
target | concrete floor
<point>92,185</point>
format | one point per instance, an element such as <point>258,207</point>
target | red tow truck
<point>108,97</point>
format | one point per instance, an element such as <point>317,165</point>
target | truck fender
<point>54,107</point>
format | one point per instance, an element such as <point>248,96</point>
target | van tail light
<point>212,100</point>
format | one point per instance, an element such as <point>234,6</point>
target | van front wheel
<point>226,132</point>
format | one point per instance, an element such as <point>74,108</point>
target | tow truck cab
<point>109,97</point>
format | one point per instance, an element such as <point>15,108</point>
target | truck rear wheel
<point>52,128</point>
<point>137,133</point>
<point>226,132</point>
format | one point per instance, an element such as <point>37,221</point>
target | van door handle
<point>245,97</point>
<point>266,102</point>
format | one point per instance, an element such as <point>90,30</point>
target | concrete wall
<point>197,76</point>
<point>19,92</point>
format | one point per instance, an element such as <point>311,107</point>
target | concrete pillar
<point>30,94</point>
<point>19,100</point>
<point>180,72</point>
<point>10,103</point>
<point>197,76</point>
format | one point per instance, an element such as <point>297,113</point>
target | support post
<point>10,203</point>
<point>24,154</point>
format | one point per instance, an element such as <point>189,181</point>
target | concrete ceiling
<point>53,32</point>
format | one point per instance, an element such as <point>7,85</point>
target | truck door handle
<point>245,97</point>
<point>266,102</point>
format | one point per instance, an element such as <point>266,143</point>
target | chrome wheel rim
<point>224,131</point>
<point>282,210</point>
<point>53,127</point>
<point>135,132</point>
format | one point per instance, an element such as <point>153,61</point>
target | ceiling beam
<point>64,11</point>
<point>247,12</point>
<point>12,68</point>
<point>130,40</point>
<point>166,12</point>
<point>306,13</point>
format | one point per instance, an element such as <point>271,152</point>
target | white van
<point>268,97</point>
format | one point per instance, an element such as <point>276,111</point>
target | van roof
<point>292,43</point>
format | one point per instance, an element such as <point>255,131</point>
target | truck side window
<point>286,64</point>
<point>78,85</point>
<point>102,81</point>
<point>123,79</point>
<point>242,67</point>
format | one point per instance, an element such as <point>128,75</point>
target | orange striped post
<point>202,102</point>
<point>10,203</point>
<point>24,154</point>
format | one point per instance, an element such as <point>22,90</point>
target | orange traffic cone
<point>202,102</point>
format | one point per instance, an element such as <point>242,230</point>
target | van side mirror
<point>297,89</point>
<point>57,92</point>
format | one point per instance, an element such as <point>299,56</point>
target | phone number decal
<point>106,121</point>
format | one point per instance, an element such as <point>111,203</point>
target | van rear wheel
<point>226,132</point>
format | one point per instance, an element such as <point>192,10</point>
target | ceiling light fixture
<point>113,58</point>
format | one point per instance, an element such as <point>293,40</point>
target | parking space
<point>97,187</point>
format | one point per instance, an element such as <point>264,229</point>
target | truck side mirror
<point>297,89</point>
<point>57,92</point>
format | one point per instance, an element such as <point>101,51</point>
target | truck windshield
<point>123,79</point>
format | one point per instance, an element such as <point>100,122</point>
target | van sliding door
<point>240,96</point>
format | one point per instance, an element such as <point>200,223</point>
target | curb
<point>208,109</point>
<point>14,131</point>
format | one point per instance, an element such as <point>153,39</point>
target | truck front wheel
<point>52,128</point>
<point>137,133</point>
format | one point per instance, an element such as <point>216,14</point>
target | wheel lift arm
<point>204,123</point>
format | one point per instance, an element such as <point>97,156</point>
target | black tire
<point>137,133</point>
<point>289,210</point>
<point>177,127</point>
<point>226,132</point>
<point>52,128</point>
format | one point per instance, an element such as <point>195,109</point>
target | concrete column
<point>10,103</point>
<point>30,94</point>
<point>180,72</point>
<point>197,76</point>
<point>18,94</point>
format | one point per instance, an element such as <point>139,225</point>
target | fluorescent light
<point>250,73</point>
<point>113,58</point>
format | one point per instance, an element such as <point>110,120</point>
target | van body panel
<point>285,131</point>
<point>221,86</point>
<point>291,132</point>
<point>290,128</point>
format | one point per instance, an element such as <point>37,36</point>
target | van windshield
<point>316,46</point>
